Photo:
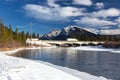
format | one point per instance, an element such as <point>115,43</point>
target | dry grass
<point>9,46</point>
<point>111,44</point>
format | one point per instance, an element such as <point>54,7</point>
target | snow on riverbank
<point>94,48</point>
<point>12,68</point>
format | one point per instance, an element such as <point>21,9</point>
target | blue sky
<point>46,15</point>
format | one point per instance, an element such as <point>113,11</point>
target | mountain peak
<point>71,27</point>
<point>67,30</point>
<point>51,34</point>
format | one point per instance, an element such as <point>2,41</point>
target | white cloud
<point>83,2</point>
<point>52,3</point>
<point>99,5</point>
<point>112,12</point>
<point>110,31</point>
<point>95,22</point>
<point>37,11</point>
<point>104,31</point>
<point>70,11</point>
<point>56,13</point>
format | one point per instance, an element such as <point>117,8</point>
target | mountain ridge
<point>67,32</point>
<point>81,34</point>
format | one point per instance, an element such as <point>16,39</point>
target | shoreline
<point>14,50</point>
<point>9,49</point>
<point>98,48</point>
<point>38,66</point>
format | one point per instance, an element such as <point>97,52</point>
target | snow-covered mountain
<point>78,32</point>
<point>50,35</point>
<point>67,32</point>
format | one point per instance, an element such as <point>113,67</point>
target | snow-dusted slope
<point>95,31</point>
<point>50,35</point>
<point>12,68</point>
<point>69,29</point>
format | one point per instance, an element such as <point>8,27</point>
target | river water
<point>98,63</point>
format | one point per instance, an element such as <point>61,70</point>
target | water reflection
<point>98,63</point>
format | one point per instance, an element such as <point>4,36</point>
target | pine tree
<point>9,38</point>
<point>10,33</point>
<point>27,35</point>
<point>0,30</point>
<point>4,35</point>
<point>23,38</point>
<point>37,35</point>
<point>33,35</point>
<point>16,35</point>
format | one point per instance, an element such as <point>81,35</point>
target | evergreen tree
<point>27,35</point>
<point>4,35</point>
<point>10,33</point>
<point>0,30</point>
<point>33,35</point>
<point>16,35</point>
<point>9,38</point>
<point>37,35</point>
<point>23,38</point>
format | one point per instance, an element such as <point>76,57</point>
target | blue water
<point>98,63</point>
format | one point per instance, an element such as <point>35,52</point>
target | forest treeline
<point>10,38</point>
<point>97,37</point>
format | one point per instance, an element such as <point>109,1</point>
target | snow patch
<point>98,48</point>
<point>12,68</point>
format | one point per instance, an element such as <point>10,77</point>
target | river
<point>98,63</point>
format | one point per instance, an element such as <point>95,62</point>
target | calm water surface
<point>98,63</point>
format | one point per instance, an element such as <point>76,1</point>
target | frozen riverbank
<point>96,48</point>
<point>12,68</point>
